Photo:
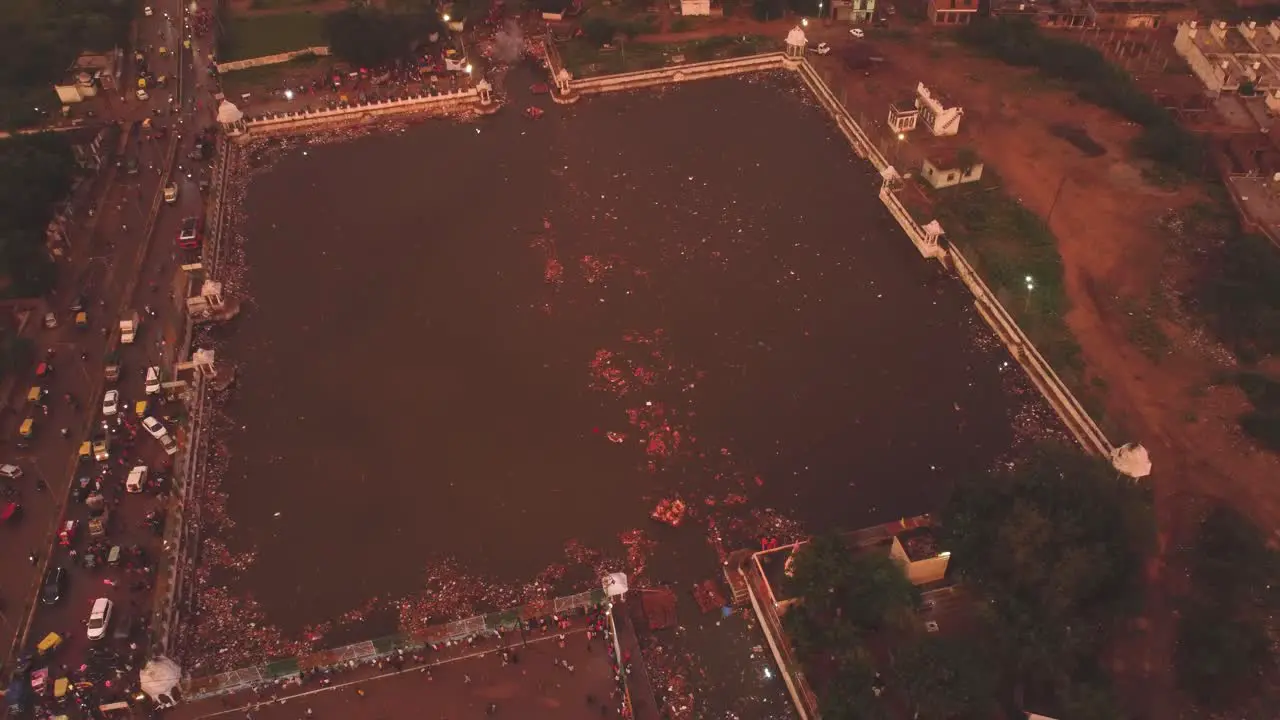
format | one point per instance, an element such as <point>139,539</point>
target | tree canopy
<point>42,39</point>
<point>370,37</point>
<point>1224,651</point>
<point>1056,546</point>
<point>36,172</point>
<point>949,678</point>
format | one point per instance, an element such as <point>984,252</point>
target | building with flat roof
<point>1232,58</point>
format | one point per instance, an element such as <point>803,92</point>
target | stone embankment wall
<point>272,59</point>
<point>360,112</point>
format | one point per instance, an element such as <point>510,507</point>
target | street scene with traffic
<point>88,458</point>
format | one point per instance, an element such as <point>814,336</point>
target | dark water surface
<point>416,374</point>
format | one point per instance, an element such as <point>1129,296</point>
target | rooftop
<point>920,543</point>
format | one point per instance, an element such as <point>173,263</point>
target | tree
<point>1056,545</point>
<point>1224,650</point>
<point>1220,659</point>
<point>948,679</point>
<point>36,172</point>
<point>864,588</point>
<point>850,694</point>
<point>370,37</point>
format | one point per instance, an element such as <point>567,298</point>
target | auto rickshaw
<point>82,320</point>
<point>28,428</point>
<point>51,642</point>
<point>98,526</point>
<point>140,408</point>
<point>35,394</point>
<point>163,51</point>
<point>142,84</point>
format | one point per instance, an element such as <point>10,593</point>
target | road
<point>120,268</point>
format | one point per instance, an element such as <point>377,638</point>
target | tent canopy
<point>796,38</point>
<point>228,113</point>
<point>159,677</point>
<point>615,584</point>
<point>1132,460</point>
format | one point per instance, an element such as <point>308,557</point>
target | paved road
<point>114,265</point>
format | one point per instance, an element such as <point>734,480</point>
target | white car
<point>111,403</point>
<point>99,618</point>
<point>142,94</point>
<point>170,447</point>
<point>154,427</point>
<point>171,193</point>
<point>12,472</point>
<point>136,480</point>
<point>147,11</point>
<point>857,32</point>
<point>153,380</point>
<point>822,48</point>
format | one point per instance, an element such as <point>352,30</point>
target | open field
<point>259,35</point>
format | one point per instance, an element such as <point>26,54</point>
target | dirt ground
<point>1107,221</point>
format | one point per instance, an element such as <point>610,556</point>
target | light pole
<point>1031,285</point>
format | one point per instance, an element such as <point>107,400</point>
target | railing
<point>370,650</point>
<point>802,695</point>
<point>289,119</point>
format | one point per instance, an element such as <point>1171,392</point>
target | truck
<point>129,328</point>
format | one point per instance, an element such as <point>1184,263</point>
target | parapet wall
<point>679,73</point>
<point>360,112</point>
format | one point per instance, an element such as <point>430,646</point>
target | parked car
<point>152,385</point>
<point>147,11</point>
<point>11,472</point>
<point>55,584</point>
<point>170,447</point>
<point>111,403</point>
<point>154,427</point>
<point>99,618</point>
<point>50,321</point>
<point>136,480</point>
<point>857,32</point>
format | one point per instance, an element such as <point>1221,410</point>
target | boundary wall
<point>363,112</point>
<point>371,650</point>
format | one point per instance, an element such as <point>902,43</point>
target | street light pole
<point>1057,194</point>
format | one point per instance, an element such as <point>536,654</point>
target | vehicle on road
<point>189,235</point>
<point>50,321</point>
<point>55,583</point>
<point>142,94</point>
<point>82,320</point>
<point>147,11</point>
<point>78,303</point>
<point>170,447</point>
<point>44,369</point>
<point>102,449</point>
<point>99,618</point>
<point>857,32</point>
<point>154,427</point>
<point>171,193</point>
<point>28,428</point>
<point>152,385</point>
<point>10,512</point>
<point>822,48</point>
<point>111,367</point>
<point>137,479</point>
<point>11,472</point>
<point>129,328</point>
<point>111,403</point>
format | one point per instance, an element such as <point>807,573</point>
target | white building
<point>853,11</point>
<point>692,8</point>
<point>935,114</point>
<point>1228,57</point>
